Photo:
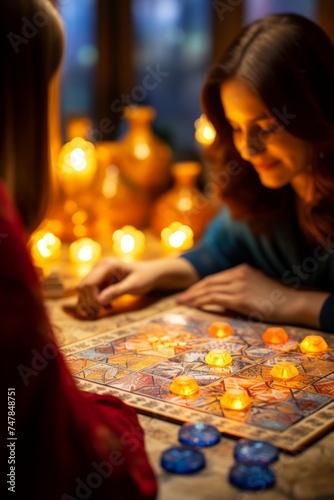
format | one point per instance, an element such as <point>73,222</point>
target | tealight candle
<point>77,165</point>
<point>85,251</point>
<point>129,242</point>
<point>235,399</point>
<point>45,245</point>
<point>313,343</point>
<point>177,237</point>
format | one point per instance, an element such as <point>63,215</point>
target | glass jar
<point>184,202</point>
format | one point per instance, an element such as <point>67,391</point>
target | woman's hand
<point>249,291</point>
<point>110,278</point>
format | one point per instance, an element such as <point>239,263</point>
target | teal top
<point>284,256</point>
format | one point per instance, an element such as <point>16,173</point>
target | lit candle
<point>204,131</point>
<point>77,165</point>
<point>85,251</point>
<point>45,245</point>
<point>177,237</point>
<point>129,242</point>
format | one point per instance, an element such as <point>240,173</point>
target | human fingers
<point>87,305</point>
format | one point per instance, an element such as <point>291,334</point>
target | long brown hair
<point>289,61</point>
<point>32,41</point>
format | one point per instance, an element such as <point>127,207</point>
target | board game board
<point>138,362</point>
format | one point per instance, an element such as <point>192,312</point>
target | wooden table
<point>306,476</point>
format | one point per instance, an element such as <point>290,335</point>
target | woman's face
<point>278,157</point>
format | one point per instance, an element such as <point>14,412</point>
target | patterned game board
<point>138,362</point>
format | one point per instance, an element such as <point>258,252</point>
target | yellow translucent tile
<point>235,399</point>
<point>220,329</point>
<point>275,335</point>
<point>184,385</point>
<point>313,343</point>
<point>284,370</point>
<point>218,357</point>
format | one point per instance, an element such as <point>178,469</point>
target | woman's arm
<point>250,292</point>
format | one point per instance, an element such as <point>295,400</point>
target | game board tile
<point>134,382</point>
<point>258,352</point>
<point>102,373</point>
<point>299,382</point>
<point>318,367</point>
<point>325,385</point>
<point>272,417</point>
<point>77,364</point>
<point>231,346</point>
<point>293,357</point>
<point>234,367</point>
<point>171,370</point>
<point>99,353</point>
<point>132,360</point>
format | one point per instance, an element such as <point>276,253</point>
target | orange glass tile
<point>184,385</point>
<point>284,370</point>
<point>235,399</point>
<point>313,343</point>
<point>220,329</point>
<point>218,357</point>
<point>275,335</point>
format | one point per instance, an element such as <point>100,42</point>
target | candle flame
<point>78,159</point>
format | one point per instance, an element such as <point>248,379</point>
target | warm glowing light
<point>220,329</point>
<point>184,385</point>
<point>45,245</point>
<point>141,151</point>
<point>77,165</point>
<point>218,357</point>
<point>185,204</point>
<point>177,236</point>
<point>85,250</point>
<point>204,131</point>
<point>79,217</point>
<point>128,242</point>
<point>80,231</point>
<point>235,399</point>
<point>275,335</point>
<point>78,159</point>
<point>284,370</point>
<point>313,343</point>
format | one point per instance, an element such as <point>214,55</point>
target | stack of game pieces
<point>53,286</point>
<point>187,458</point>
<point>252,471</point>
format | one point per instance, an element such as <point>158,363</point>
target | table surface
<point>308,475</point>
